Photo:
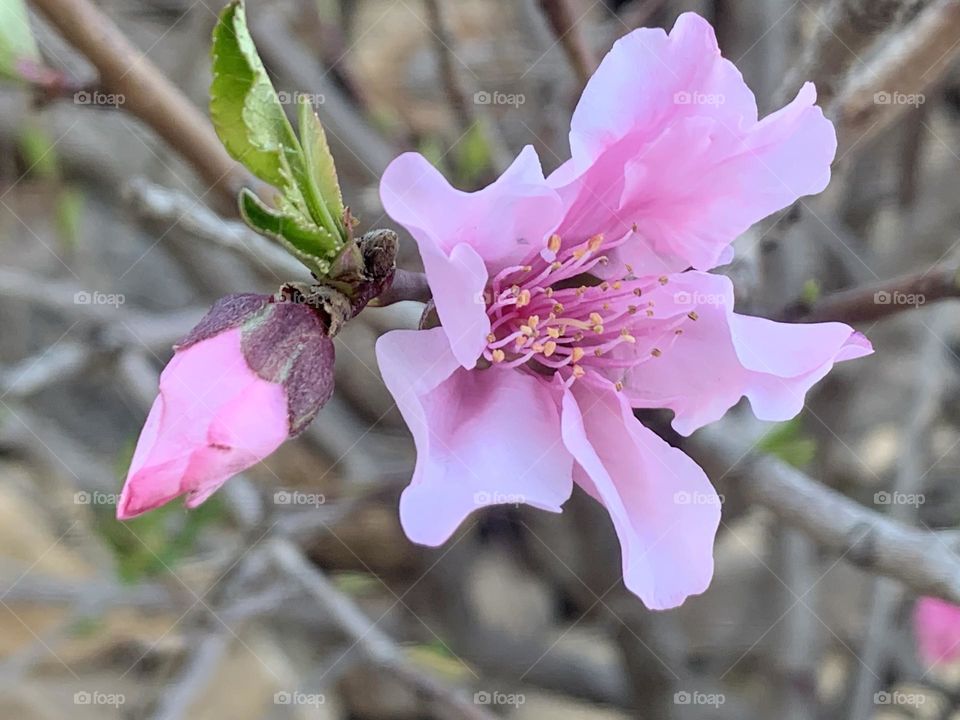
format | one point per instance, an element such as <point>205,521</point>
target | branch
<point>148,95</point>
<point>924,561</point>
<point>872,302</point>
<point>564,27</point>
<point>892,83</point>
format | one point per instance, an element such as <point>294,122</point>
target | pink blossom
<point>528,385</point>
<point>250,375</point>
<point>936,624</point>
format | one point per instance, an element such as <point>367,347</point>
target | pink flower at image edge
<point>936,624</point>
<point>528,385</point>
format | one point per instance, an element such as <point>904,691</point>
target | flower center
<point>537,317</point>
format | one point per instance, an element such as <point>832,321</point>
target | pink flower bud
<point>252,373</point>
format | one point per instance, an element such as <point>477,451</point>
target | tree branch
<point>148,95</point>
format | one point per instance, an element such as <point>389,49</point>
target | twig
<point>925,562</point>
<point>846,30</point>
<point>406,285</point>
<point>893,82</point>
<point>864,304</point>
<point>146,93</point>
<point>374,643</point>
<point>564,27</point>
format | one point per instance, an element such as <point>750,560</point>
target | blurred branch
<point>374,643</point>
<point>872,302</point>
<point>847,29</point>
<point>564,26</point>
<point>908,63</point>
<point>148,95</point>
<point>925,562</point>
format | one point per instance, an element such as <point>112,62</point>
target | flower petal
<point>465,237</point>
<point>663,508</point>
<point>721,356</point>
<point>936,624</point>
<point>213,418</point>
<point>483,437</point>
<point>678,154</point>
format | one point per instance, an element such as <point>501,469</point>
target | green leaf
<point>322,172</point>
<point>811,291</point>
<point>246,111</point>
<point>16,38</point>
<point>250,120</point>
<point>788,442</point>
<point>314,246</point>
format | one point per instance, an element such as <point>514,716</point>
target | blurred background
<point>293,592</point>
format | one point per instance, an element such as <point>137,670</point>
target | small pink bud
<point>252,373</point>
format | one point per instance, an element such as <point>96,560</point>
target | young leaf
<point>320,165</point>
<point>315,247</point>
<point>245,108</point>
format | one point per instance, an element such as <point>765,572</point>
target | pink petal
<point>663,508</point>
<point>483,437</point>
<point>668,142</point>
<point>722,356</point>
<point>213,418</point>
<point>936,624</point>
<point>466,237</point>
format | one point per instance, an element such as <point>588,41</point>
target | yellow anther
<point>521,341</point>
<point>594,243</point>
<point>514,289</point>
<point>649,313</point>
<point>598,329</point>
<point>617,285</point>
<point>606,306</point>
<point>527,268</point>
<point>581,290</point>
<point>577,354</point>
<point>553,332</point>
<point>656,352</point>
<point>618,385</point>
<point>596,318</point>
<point>498,355</point>
<point>632,309</point>
<point>537,347</point>
<point>557,308</point>
<point>598,352</point>
<point>533,321</point>
<point>578,337</point>
<point>579,252</point>
<point>629,267</point>
<point>638,292</point>
<point>693,315</point>
<point>633,227</point>
<point>491,337</point>
<point>548,292</point>
<point>556,265</point>
<point>663,280</point>
<point>553,244</point>
<point>527,330</point>
<point>523,298</point>
<point>604,285</point>
<point>549,348</point>
<point>578,372</point>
